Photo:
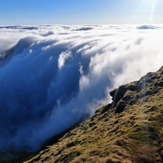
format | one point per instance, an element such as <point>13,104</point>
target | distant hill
<point>129,130</point>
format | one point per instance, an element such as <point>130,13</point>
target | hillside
<point>128,130</point>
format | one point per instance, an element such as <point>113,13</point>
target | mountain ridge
<point>127,130</point>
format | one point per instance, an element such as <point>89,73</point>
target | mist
<point>52,77</point>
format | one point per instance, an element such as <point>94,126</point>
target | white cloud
<point>63,57</point>
<point>57,75</point>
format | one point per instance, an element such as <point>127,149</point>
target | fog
<point>52,77</point>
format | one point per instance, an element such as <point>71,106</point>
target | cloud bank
<point>52,77</point>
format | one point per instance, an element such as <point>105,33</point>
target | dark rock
<point>118,94</point>
<point>159,84</point>
<point>92,124</point>
<point>151,109</point>
<point>145,94</point>
<point>120,106</point>
<point>106,108</point>
<point>149,93</point>
<point>113,93</point>
<point>128,96</point>
<point>71,144</point>
<point>141,85</point>
<point>132,86</point>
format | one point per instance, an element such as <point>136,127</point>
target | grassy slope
<point>128,130</point>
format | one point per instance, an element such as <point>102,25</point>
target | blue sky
<point>14,12</point>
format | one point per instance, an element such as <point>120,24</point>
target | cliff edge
<point>129,130</point>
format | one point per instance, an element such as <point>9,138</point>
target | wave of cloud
<point>52,77</point>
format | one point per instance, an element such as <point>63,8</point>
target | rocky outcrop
<point>128,94</point>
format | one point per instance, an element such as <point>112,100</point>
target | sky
<point>33,12</point>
